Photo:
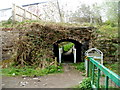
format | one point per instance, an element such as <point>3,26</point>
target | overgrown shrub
<point>85,84</point>
<point>107,41</point>
<point>68,46</point>
<point>34,46</point>
<point>112,24</point>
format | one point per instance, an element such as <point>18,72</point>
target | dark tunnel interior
<point>80,48</point>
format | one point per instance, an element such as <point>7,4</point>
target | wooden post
<point>31,16</point>
<point>24,17</point>
<point>13,13</point>
<point>37,18</point>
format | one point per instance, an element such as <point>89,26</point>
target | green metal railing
<point>94,71</point>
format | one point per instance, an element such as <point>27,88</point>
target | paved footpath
<point>69,78</point>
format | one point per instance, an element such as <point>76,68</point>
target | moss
<point>68,46</point>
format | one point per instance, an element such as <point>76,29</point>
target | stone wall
<point>9,38</point>
<point>109,47</point>
<point>49,35</point>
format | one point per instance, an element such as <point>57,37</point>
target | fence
<point>20,14</point>
<point>46,11</point>
<point>94,71</point>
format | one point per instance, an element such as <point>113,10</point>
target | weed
<point>80,66</point>
<point>30,71</point>
<point>85,84</point>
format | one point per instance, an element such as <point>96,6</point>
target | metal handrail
<point>108,73</point>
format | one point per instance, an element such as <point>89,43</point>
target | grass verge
<point>30,71</point>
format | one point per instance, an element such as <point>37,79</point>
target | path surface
<point>69,78</point>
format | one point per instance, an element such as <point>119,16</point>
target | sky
<point>8,3</point>
<point>66,4</point>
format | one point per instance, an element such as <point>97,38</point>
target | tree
<point>82,14</point>
<point>111,10</point>
<point>96,14</point>
<point>87,14</point>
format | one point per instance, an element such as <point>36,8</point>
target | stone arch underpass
<point>78,47</point>
<point>50,36</point>
<point>82,37</point>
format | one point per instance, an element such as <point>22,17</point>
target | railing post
<point>109,74</point>
<point>87,68</point>
<point>98,79</point>
<point>93,73</point>
<point>106,82</point>
<point>31,16</point>
<point>90,68</point>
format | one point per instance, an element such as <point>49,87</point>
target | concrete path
<point>69,78</point>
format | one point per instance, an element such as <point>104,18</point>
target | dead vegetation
<point>36,43</point>
<point>34,46</point>
<point>32,43</point>
<point>32,49</point>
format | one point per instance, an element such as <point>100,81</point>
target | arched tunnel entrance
<point>68,57</point>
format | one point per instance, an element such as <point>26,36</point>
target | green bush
<point>85,84</point>
<point>112,24</point>
<point>52,69</point>
<point>7,22</point>
<point>68,46</point>
<point>107,31</point>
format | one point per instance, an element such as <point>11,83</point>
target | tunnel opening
<point>67,57</point>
